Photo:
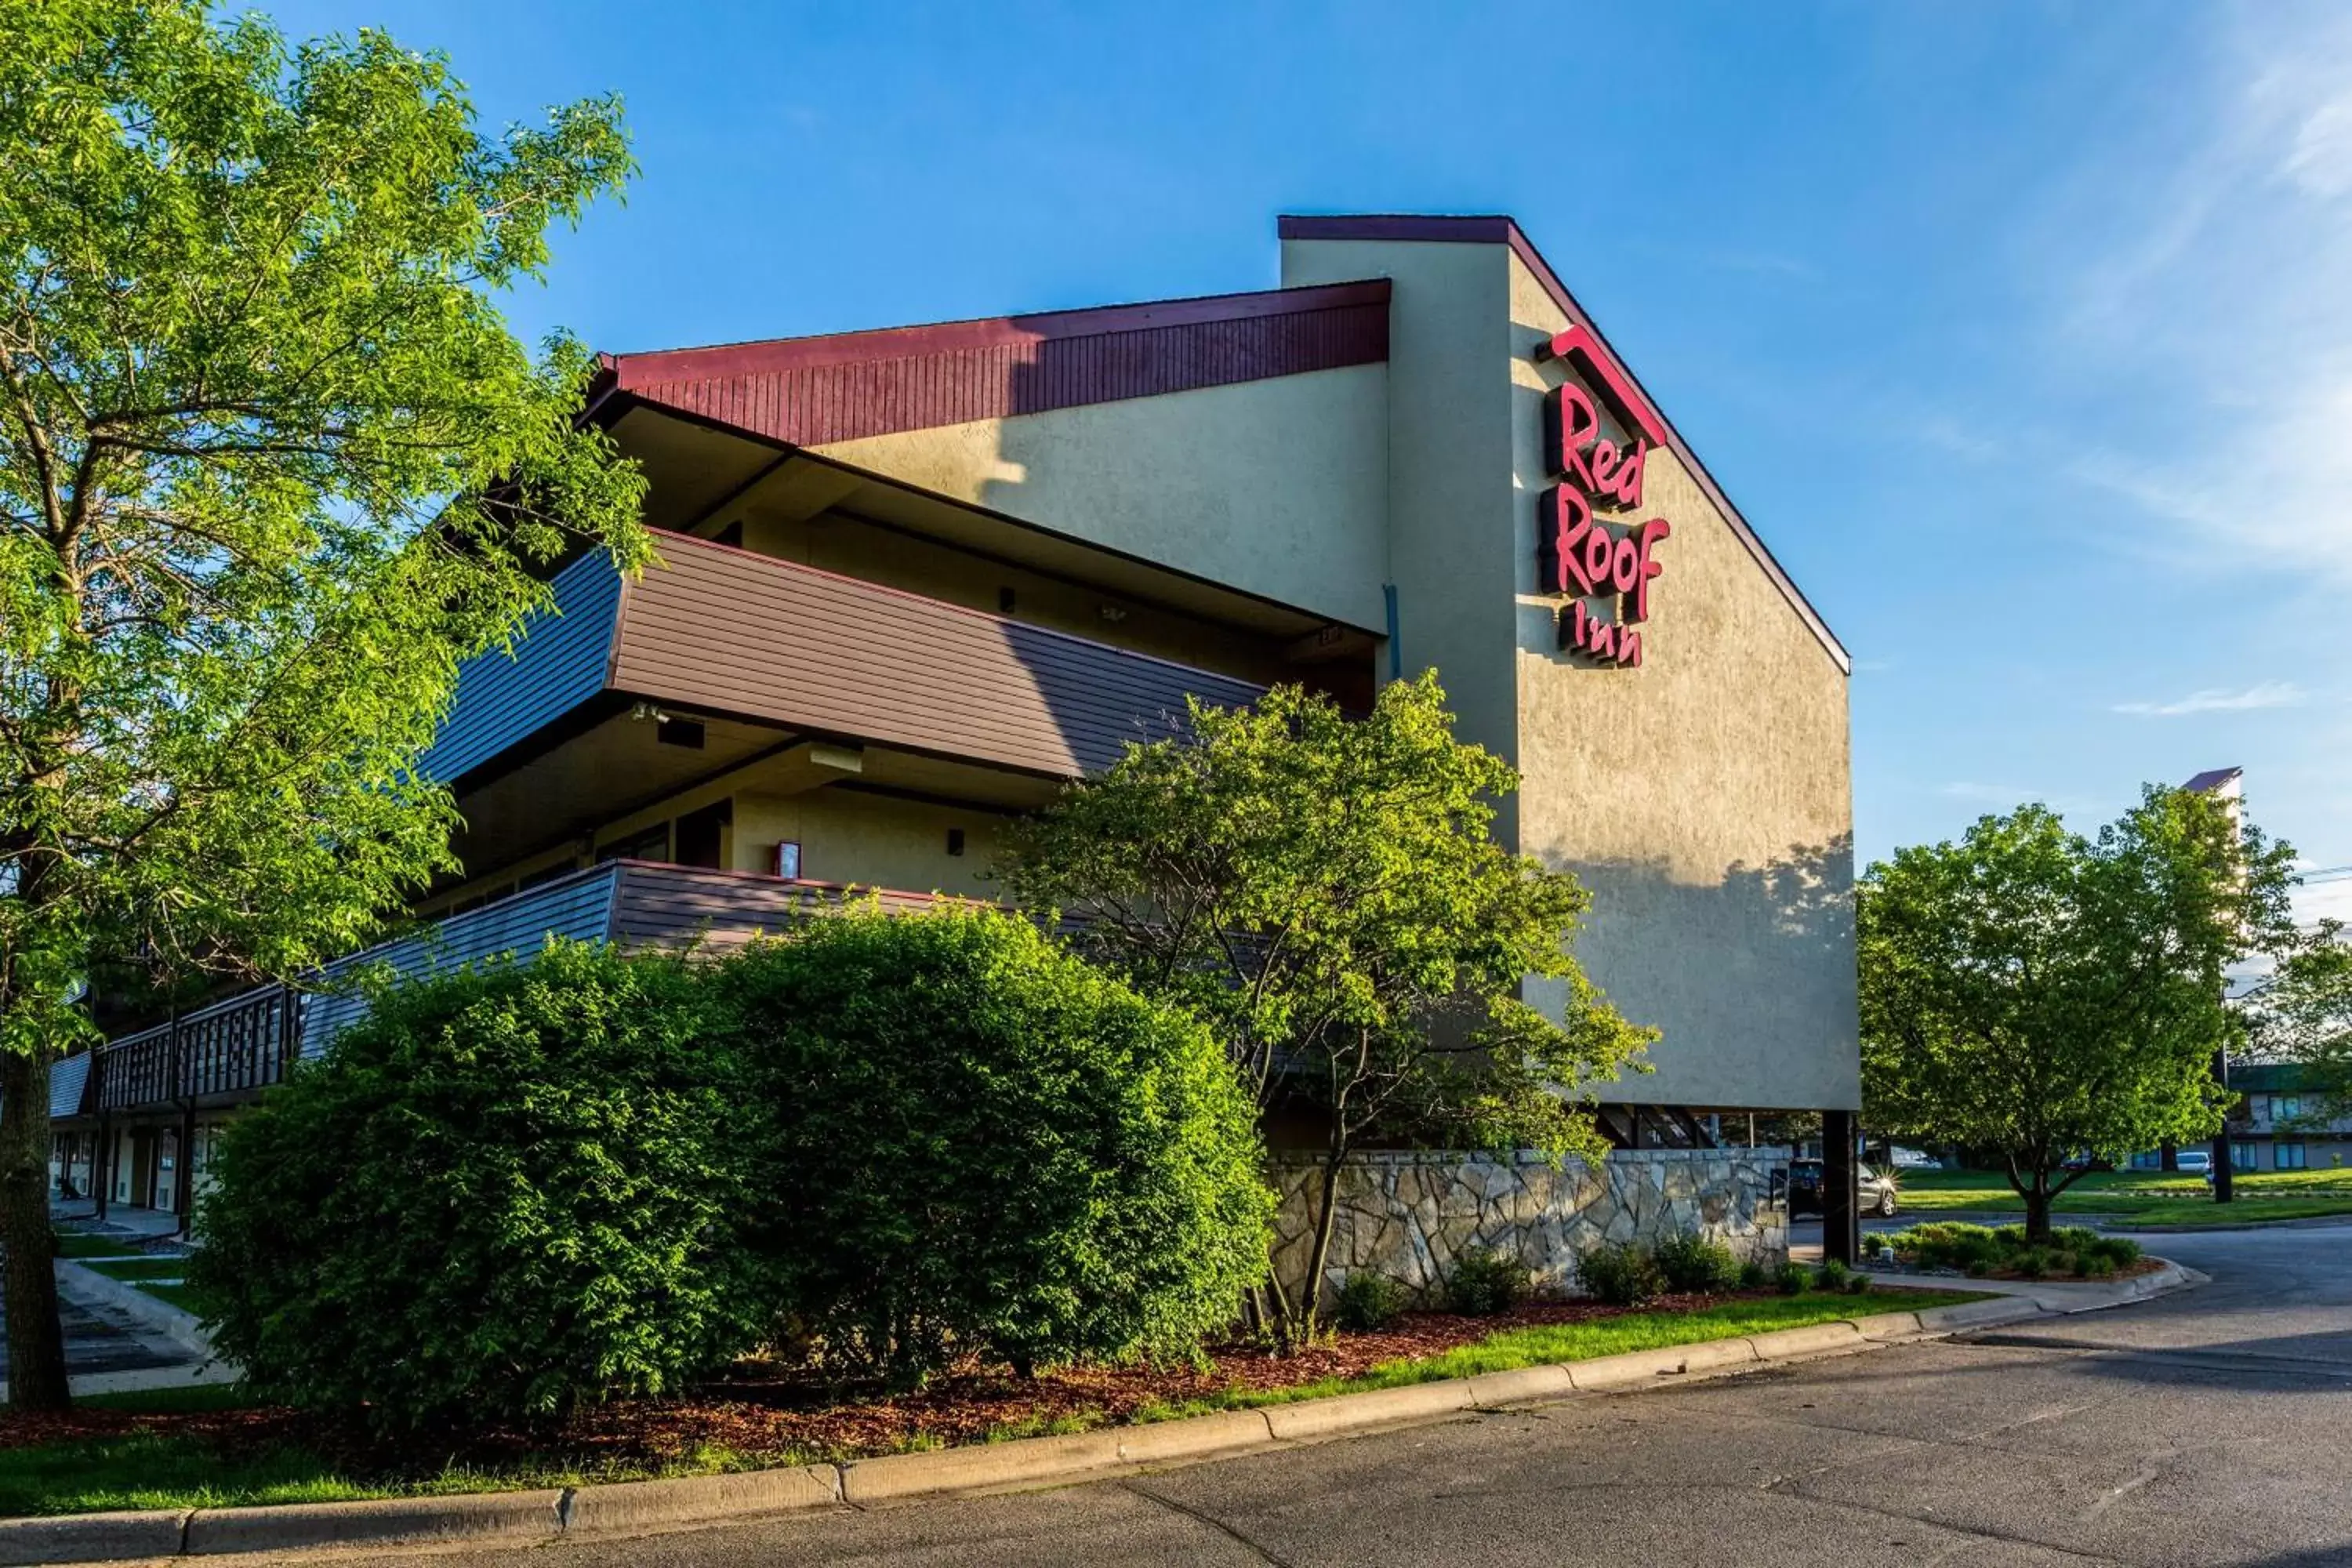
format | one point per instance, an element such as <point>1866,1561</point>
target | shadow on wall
<point>1756,970</point>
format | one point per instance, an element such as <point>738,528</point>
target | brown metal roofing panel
<point>920,386</point>
<point>742,633</point>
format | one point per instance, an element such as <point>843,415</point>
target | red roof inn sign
<point>1575,553</point>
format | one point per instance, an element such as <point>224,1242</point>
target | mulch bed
<point>770,1412</point>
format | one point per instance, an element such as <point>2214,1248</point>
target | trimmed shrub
<point>1857,1284</point>
<point>1831,1276</point>
<point>1486,1282</point>
<point>497,1196</point>
<point>1368,1303</point>
<point>2119,1250</point>
<point>1693,1262</point>
<point>1620,1274</point>
<point>976,1143</point>
<point>1791,1278</point>
<point>1754,1276</point>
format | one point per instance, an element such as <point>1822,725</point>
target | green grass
<point>76,1244</point>
<point>180,1296</point>
<point>2155,1198</point>
<point>1548,1344</point>
<point>136,1268</point>
<point>141,1470</point>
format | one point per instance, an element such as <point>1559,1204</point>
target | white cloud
<point>2214,700</point>
<point>2222,283</point>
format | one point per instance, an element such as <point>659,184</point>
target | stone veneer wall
<point>1409,1214</point>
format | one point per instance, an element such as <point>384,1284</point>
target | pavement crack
<point>2122,1490</point>
<point>1211,1521</point>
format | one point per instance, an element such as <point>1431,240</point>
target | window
<point>2287,1156</point>
<point>2285,1107</point>
<point>2242,1157</point>
<point>2148,1160</point>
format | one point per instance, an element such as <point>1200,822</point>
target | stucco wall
<point>1449,463</point>
<point>1276,487</point>
<point>1705,796</point>
<point>874,840</point>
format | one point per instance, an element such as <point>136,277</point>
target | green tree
<point>1326,892</point>
<point>2045,995</point>
<point>271,463</point>
<point>2302,1012</point>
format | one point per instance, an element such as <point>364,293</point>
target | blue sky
<point>2021,331</point>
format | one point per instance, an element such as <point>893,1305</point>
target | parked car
<point>1904,1159</point>
<point>2201,1161</point>
<point>1874,1189</point>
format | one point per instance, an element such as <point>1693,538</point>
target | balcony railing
<point>232,1048</point>
<point>239,1046</point>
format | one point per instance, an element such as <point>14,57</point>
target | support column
<point>104,1182</point>
<point>2224,1191</point>
<point>1840,1218</point>
<point>183,1175</point>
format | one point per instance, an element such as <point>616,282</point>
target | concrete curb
<point>641,1507</point>
<point>2308,1222</point>
<point>93,1537</point>
<point>396,1521</point>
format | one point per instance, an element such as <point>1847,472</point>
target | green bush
<point>976,1143</point>
<point>1831,1276</point>
<point>1486,1282</point>
<point>1620,1274</point>
<point>1791,1278</point>
<point>2119,1250</point>
<point>1857,1284</point>
<point>497,1196</point>
<point>1692,1262</point>
<point>1753,1275</point>
<point>1368,1303</point>
<point>2032,1263</point>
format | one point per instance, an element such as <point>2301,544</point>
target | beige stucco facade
<point>1705,796</point>
<point>1275,487</point>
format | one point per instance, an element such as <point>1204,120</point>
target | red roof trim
<point>1495,229</point>
<point>633,370</point>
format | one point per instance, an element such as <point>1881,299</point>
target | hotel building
<point>913,581</point>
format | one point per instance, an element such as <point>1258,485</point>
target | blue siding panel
<point>579,907</point>
<point>68,1080</point>
<point>559,663</point>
